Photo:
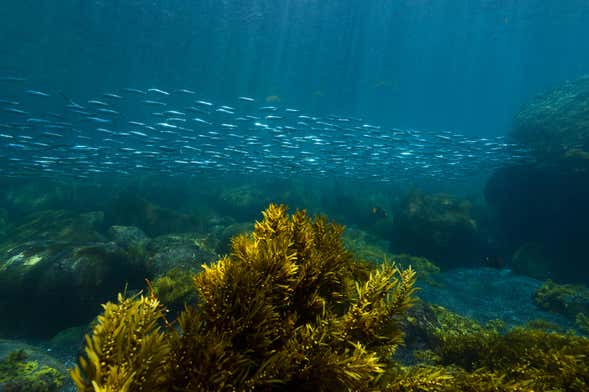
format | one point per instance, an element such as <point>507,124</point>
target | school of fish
<point>149,130</point>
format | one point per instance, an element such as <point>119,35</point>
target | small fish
<point>205,103</point>
<point>99,120</point>
<point>97,102</point>
<point>158,91</point>
<point>14,110</point>
<point>111,95</point>
<point>174,113</point>
<point>134,91</point>
<point>157,103</point>
<point>107,111</point>
<point>246,99</point>
<point>200,120</point>
<point>166,125</point>
<point>184,91</point>
<point>222,110</point>
<point>37,93</point>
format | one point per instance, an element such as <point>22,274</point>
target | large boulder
<point>56,269</point>
<point>46,285</point>
<point>187,251</point>
<point>129,209</point>
<point>439,227</point>
<point>555,125</point>
<point>545,206</point>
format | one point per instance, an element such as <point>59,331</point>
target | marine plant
<point>566,299</point>
<point>470,357</point>
<point>18,373</point>
<point>288,309</point>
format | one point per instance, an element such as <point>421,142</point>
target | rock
<point>555,125</point>
<point>223,238</point>
<point>531,259</point>
<point>547,206</point>
<point>187,251</point>
<point>4,224</point>
<point>128,236</point>
<point>133,210</point>
<point>58,225</point>
<point>243,203</point>
<point>46,286</point>
<point>566,299</point>
<point>438,227</point>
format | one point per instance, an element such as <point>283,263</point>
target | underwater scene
<point>258,195</point>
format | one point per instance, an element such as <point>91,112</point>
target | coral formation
<point>286,309</point>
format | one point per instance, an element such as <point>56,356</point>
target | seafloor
<point>67,247</point>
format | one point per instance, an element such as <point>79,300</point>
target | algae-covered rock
<point>555,124</point>
<point>532,259</point>
<point>153,219</point>
<point>243,202</point>
<point>223,238</point>
<point>542,213</point>
<point>58,225</point>
<point>24,368</point>
<point>4,224</point>
<point>373,250</point>
<point>565,299</point>
<point>188,251</point>
<point>439,227</point>
<point>128,236</point>
<point>176,288</point>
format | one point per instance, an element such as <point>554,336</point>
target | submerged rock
<point>545,206</point>
<point>129,237</point>
<point>439,227</point>
<point>24,368</point>
<point>58,225</point>
<point>555,125</point>
<point>47,285</point>
<point>566,299</point>
<point>187,251</point>
<point>153,219</point>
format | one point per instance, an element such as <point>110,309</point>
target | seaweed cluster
<point>470,357</point>
<point>19,373</point>
<point>566,299</point>
<point>570,300</point>
<point>289,308</point>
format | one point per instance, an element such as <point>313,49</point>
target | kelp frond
<point>282,311</point>
<point>126,351</point>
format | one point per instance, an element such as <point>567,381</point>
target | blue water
<point>462,65</point>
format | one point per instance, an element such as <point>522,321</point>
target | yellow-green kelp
<point>288,308</point>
